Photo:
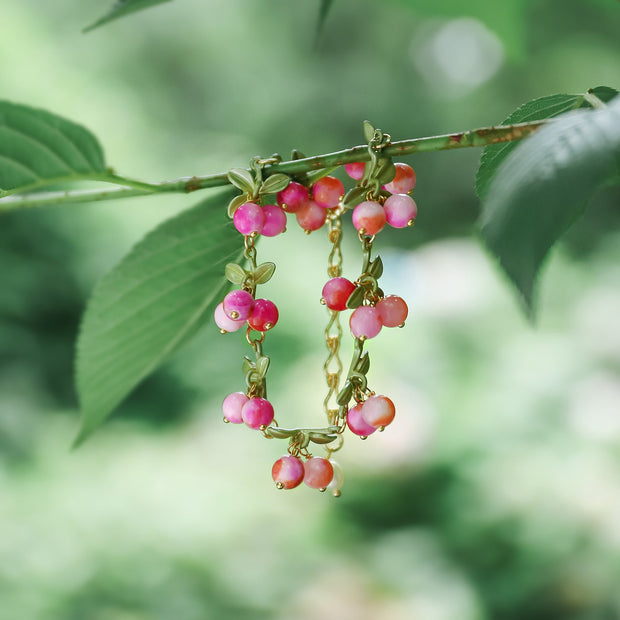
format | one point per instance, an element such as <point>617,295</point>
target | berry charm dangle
<point>380,197</point>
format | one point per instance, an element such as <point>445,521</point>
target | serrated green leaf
<point>542,187</point>
<point>356,299</point>
<point>38,148</point>
<point>369,131</point>
<point>263,273</point>
<point>376,268</point>
<point>538,109</point>
<point>242,180</point>
<point>274,184</point>
<point>122,8</point>
<point>235,274</point>
<point>159,295</point>
<point>354,196</point>
<point>235,203</point>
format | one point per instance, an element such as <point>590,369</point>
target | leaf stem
<point>474,137</point>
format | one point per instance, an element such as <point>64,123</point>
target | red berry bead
<point>225,323</point>
<point>275,220</point>
<point>311,216</point>
<point>238,305</point>
<point>356,422</point>
<point>369,217</point>
<point>378,411</point>
<point>403,181</point>
<point>249,218</point>
<point>264,315</point>
<point>400,210</point>
<point>288,472</point>
<point>355,170</point>
<point>328,192</point>
<point>232,406</point>
<point>257,412</point>
<point>336,292</point>
<point>365,322</point>
<point>318,472</point>
<point>293,197</point>
<point>392,310</point>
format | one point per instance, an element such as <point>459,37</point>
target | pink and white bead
<point>275,220</point>
<point>368,217</point>
<point>335,485</point>
<point>311,217</point>
<point>400,210</point>
<point>238,305</point>
<point>328,192</point>
<point>318,472</point>
<point>355,170</point>
<point>378,411</point>
<point>365,322</point>
<point>232,406</point>
<point>392,311</point>
<point>336,293</point>
<point>288,472</point>
<point>224,322</point>
<point>264,315</point>
<point>257,412</point>
<point>356,422</point>
<point>293,197</point>
<point>403,181</point>
<point>249,218</point>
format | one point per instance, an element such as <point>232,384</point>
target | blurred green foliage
<point>494,495</point>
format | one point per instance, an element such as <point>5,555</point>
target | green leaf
<point>274,184</point>
<point>38,148</point>
<point>354,196</point>
<point>356,299</point>
<point>369,131</point>
<point>376,268</point>
<point>363,364</point>
<point>235,203</point>
<point>122,8</point>
<point>242,179</point>
<point>542,187</point>
<point>159,295</point>
<point>345,394</point>
<point>538,109</point>
<point>386,171</point>
<point>263,273</point>
<point>262,365</point>
<point>235,274</point>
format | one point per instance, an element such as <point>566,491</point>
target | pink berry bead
<point>293,197</point>
<point>288,472</point>
<point>224,322</point>
<point>369,217</point>
<point>356,422</point>
<point>232,406</point>
<point>257,412</point>
<point>327,192</point>
<point>403,181</point>
<point>249,218</point>
<point>311,216</point>
<point>355,170</point>
<point>365,322</point>
<point>378,411</point>
<point>264,315</point>
<point>275,220</point>
<point>318,472</point>
<point>238,305</point>
<point>336,292</point>
<point>400,210</point>
<point>392,311</point>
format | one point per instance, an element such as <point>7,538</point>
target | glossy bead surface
<point>225,323</point>
<point>403,181</point>
<point>311,216</point>
<point>337,482</point>
<point>293,197</point>
<point>275,220</point>
<point>365,322</point>
<point>400,210</point>
<point>232,406</point>
<point>264,315</point>
<point>288,472</point>
<point>257,412</point>
<point>249,218</point>
<point>318,472</point>
<point>327,192</point>
<point>378,411</point>
<point>369,217</point>
<point>392,311</point>
<point>355,170</point>
<point>336,292</point>
<point>356,422</point>
<point>238,305</point>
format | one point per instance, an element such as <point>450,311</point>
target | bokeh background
<point>496,492</point>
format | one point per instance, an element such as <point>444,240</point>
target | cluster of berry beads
<point>316,472</point>
<point>256,412</point>
<point>399,210</point>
